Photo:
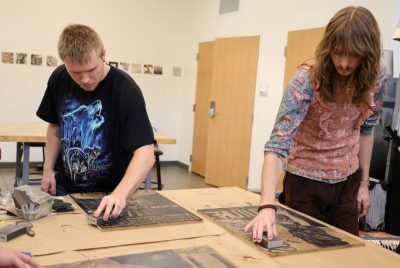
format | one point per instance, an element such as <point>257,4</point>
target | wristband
<point>266,206</point>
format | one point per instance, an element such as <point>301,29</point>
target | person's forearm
<point>140,165</point>
<point>52,146</point>
<point>364,155</point>
<point>270,175</point>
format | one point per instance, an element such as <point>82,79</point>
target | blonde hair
<point>77,41</point>
<point>355,30</point>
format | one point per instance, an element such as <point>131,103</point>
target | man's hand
<point>48,184</point>
<point>112,205</point>
<point>265,217</point>
<point>363,202</point>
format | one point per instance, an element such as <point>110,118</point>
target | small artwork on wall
<point>176,71</point>
<point>36,59</point>
<point>158,69</point>
<point>7,57</point>
<point>113,63</point>
<point>148,69</point>
<point>21,58</point>
<point>136,68</point>
<point>124,66</point>
<point>51,61</point>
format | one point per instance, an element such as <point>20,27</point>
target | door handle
<point>211,110</point>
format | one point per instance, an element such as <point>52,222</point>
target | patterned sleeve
<point>293,108</point>
<point>381,86</point>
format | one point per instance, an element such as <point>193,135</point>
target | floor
<point>173,177</point>
<point>176,177</point>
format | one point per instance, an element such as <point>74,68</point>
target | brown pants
<point>335,204</point>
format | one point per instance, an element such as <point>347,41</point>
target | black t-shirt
<point>99,130</point>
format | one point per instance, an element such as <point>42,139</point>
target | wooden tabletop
<point>36,132</point>
<point>71,228</point>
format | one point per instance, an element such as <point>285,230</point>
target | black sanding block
<point>100,221</point>
<point>61,206</point>
<point>21,199</point>
<point>95,220</point>
<point>11,231</point>
<point>274,243</point>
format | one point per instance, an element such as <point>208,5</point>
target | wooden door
<point>301,46</point>
<point>203,92</point>
<point>229,132</point>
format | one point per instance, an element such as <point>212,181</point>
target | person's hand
<point>265,217</point>
<point>48,184</point>
<point>112,205</point>
<point>15,258</point>
<point>363,202</point>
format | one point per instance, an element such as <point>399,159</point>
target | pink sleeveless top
<point>326,143</point>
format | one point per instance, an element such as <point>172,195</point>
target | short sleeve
<point>47,110</point>
<point>136,129</point>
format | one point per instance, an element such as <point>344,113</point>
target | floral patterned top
<point>319,140</point>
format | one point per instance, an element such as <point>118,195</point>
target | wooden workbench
<point>36,132</point>
<point>25,134</point>
<point>69,238</point>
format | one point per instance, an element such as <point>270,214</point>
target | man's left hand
<point>363,202</point>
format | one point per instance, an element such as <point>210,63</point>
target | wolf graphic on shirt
<point>82,142</point>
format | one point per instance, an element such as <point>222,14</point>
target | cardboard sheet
<point>194,199</point>
<point>242,255</point>
<point>60,233</point>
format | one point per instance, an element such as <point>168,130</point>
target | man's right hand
<point>265,217</point>
<point>48,184</point>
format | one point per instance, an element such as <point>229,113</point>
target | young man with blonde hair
<point>99,137</point>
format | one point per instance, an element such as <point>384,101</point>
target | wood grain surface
<point>299,233</point>
<point>143,209</point>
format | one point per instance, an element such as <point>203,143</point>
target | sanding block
<point>270,244</point>
<point>95,220</point>
<point>61,206</point>
<point>100,221</point>
<point>11,231</point>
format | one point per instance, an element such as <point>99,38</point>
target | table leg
<point>18,165</point>
<point>25,164</point>
<point>147,182</point>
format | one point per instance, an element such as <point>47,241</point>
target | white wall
<point>166,33</point>
<point>395,45</point>
<point>147,32</point>
<point>272,20</point>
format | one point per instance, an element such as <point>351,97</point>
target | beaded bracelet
<point>266,206</point>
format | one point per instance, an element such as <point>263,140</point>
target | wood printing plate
<point>194,257</point>
<point>300,234</point>
<point>143,209</point>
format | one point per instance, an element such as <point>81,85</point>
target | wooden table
<point>58,238</point>
<point>26,134</point>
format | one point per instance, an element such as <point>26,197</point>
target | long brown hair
<point>355,30</point>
